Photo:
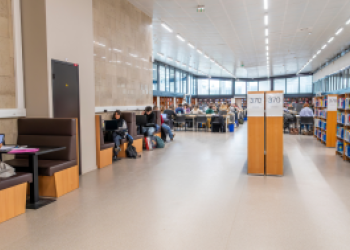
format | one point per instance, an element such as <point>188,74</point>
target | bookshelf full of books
<point>343,126</point>
<point>325,112</point>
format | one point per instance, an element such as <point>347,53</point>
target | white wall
<point>337,65</point>
<point>70,35</point>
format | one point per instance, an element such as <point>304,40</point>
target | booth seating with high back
<point>58,171</point>
<point>104,151</point>
<point>158,122</point>
<point>13,195</point>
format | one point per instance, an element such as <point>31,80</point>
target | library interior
<point>174,124</point>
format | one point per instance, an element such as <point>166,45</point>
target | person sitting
<point>196,111</point>
<point>187,108</point>
<point>179,110</point>
<point>306,111</point>
<point>151,121</point>
<point>210,110</point>
<point>170,112</point>
<point>120,133</point>
<point>165,128</point>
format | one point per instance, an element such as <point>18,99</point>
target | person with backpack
<point>165,128</point>
<point>120,133</point>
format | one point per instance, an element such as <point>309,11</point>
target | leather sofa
<point>13,195</point>
<point>104,150</point>
<point>130,119</point>
<point>58,171</point>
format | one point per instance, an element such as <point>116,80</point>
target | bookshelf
<point>343,126</point>
<point>325,112</point>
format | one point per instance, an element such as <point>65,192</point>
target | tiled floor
<point>196,195</point>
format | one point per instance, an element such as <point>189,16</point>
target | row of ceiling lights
<point>192,47</point>
<point>324,46</point>
<point>266,22</point>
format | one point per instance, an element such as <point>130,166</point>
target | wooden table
<point>193,117</point>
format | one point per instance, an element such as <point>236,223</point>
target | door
<point>65,92</point>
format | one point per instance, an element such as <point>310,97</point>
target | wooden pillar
<point>274,133</point>
<point>255,130</point>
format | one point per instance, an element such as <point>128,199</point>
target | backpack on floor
<point>241,121</point>
<point>160,142</point>
<point>131,151</point>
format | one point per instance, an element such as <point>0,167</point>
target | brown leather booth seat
<point>15,180</point>
<point>13,195</point>
<point>58,171</point>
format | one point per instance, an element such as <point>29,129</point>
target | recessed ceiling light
<point>266,5</point>
<point>266,19</point>
<point>330,40</point>
<point>314,56</point>
<point>348,22</point>
<point>211,60</point>
<point>103,57</point>
<point>178,62</point>
<point>191,45</point>
<point>133,55</point>
<point>167,27</point>
<point>318,52</point>
<point>339,31</point>
<point>267,41</point>
<point>267,47</point>
<point>267,53</point>
<point>266,32</point>
<point>170,59</point>
<point>118,50</point>
<point>200,52</point>
<point>324,46</point>
<point>180,38</point>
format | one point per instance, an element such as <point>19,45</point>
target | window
<point>264,85</point>
<point>167,78</point>
<point>184,82</point>
<point>306,84</point>
<point>203,86</point>
<point>155,77</point>
<point>252,86</point>
<point>178,82</point>
<point>161,78</point>
<point>240,88</point>
<point>214,87</point>
<point>195,85</point>
<point>190,83</point>
<point>293,85</point>
<point>279,84</point>
<point>225,87</point>
<point>172,80</point>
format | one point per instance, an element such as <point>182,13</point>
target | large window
<point>190,80</point>
<point>279,84</point>
<point>155,77</point>
<point>264,85</point>
<point>184,82</point>
<point>161,78</point>
<point>293,85</point>
<point>203,86</point>
<point>225,87</point>
<point>195,86</point>
<point>172,80</point>
<point>306,84</point>
<point>178,82</point>
<point>214,87</point>
<point>252,86</point>
<point>167,76</point>
<point>240,88</point>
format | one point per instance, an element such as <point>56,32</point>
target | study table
<point>209,116</point>
<point>35,201</point>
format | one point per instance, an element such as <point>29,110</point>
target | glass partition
<point>240,88</point>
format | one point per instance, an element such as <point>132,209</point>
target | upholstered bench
<point>159,122</point>
<point>58,171</point>
<point>104,151</point>
<point>13,195</point>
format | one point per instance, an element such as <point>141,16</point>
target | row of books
<point>320,135</point>
<point>340,148</point>
<point>321,113</point>
<point>344,103</point>
<point>321,102</point>
<point>320,124</point>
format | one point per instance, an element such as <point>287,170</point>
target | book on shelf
<point>347,135</point>
<point>340,132</point>
<point>347,150</point>
<point>340,146</point>
<point>340,117</point>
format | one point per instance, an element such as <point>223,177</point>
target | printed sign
<point>274,104</point>
<point>332,103</point>
<point>255,104</point>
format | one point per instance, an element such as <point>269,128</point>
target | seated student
<point>306,111</point>
<point>210,110</point>
<point>165,128</point>
<point>170,112</point>
<point>120,133</point>
<point>196,111</point>
<point>187,108</point>
<point>151,119</point>
<point>179,109</point>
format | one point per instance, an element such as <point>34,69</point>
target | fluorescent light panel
<point>339,31</point>
<point>324,46</point>
<point>167,27</point>
<point>348,22</point>
<point>266,4</point>
<point>192,47</point>
<point>180,38</point>
<point>266,20</point>
<point>200,52</point>
<point>266,32</point>
<point>331,39</point>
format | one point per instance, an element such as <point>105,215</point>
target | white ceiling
<point>231,32</point>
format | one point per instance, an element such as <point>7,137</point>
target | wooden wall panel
<point>274,146</point>
<point>256,145</point>
<point>331,139</point>
<point>12,202</point>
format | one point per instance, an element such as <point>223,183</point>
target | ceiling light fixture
<point>267,53</point>
<point>318,52</point>
<point>266,5</point>
<point>180,38</point>
<point>330,40</point>
<point>200,52</point>
<point>167,27</point>
<point>339,31</point>
<point>160,54</point>
<point>348,22</point>
<point>206,56</point>
<point>324,46</point>
<point>133,55</point>
<point>118,50</point>
<point>212,60</point>
<point>266,19</point>
<point>266,32</point>
<point>267,47</point>
<point>192,47</point>
<point>314,56</point>
<point>170,59</point>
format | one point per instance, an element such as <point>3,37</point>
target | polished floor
<point>196,195</point>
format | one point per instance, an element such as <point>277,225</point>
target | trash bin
<point>231,127</point>
<point>245,118</point>
<point>237,123</point>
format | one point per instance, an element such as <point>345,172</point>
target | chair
<point>222,112</point>
<point>58,171</point>
<point>217,122</point>
<point>180,119</point>
<point>306,120</point>
<point>201,119</point>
